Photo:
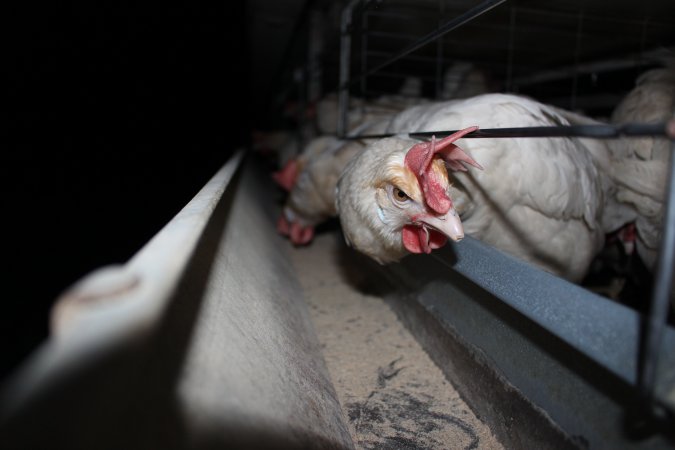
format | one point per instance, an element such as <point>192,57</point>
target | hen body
<point>548,201</point>
<point>642,172</point>
<point>363,111</point>
<point>461,80</point>
<point>311,198</point>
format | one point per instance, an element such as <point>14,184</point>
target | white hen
<point>463,80</point>
<point>367,111</point>
<point>311,180</point>
<point>546,200</point>
<point>642,173</point>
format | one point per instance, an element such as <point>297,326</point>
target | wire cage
<point>203,339</point>
<point>566,54</point>
<point>580,56</point>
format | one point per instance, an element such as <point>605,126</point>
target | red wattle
<point>411,240</point>
<point>420,239</point>
<point>423,234</point>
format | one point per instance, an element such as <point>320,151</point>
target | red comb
<point>287,175</point>
<point>419,157</point>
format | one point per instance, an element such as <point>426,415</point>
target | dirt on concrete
<point>393,396</point>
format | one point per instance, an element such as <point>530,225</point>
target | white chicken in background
<point>278,146</point>
<point>460,80</point>
<point>463,80</point>
<point>378,111</point>
<point>642,172</point>
<point>366,111</point>
<point>311,181</point>
<point>288,174</point>
<point>548,201</point>
<point>311,177</point>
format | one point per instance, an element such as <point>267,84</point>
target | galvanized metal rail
<point>525,347</point>
<point>656,321</point>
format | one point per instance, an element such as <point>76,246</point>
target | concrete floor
<point>393,396</point>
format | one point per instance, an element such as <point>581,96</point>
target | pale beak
<point>448,224</point>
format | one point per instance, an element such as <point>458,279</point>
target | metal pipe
<point>511,49</point>
<point>417,58</point>
<point>364,52</point>
<point>590,17</point>
<point>548,13</point>
<point>345,59</point>
<point>658,312</point>
<point>630,61</point>
<point>392,35</point>
<point>301,84</point>
<point>577,54</point>
<point>439,55</point>
<point>599,131</point>
<point>401,75</point>
<point>315,48</point>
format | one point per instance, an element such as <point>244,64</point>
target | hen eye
<point>400,195</point>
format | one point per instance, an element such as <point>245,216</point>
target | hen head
<point>393,198</point>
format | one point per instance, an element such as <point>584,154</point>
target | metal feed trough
<point>203,340</point>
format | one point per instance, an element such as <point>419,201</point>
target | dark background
<point>117,114</point>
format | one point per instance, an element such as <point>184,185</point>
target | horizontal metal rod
<point>598,100</point>
<point>434,35</point>
<point>600,131</point>
<point>573,15</point>
<point>610,65</point>
<point>403,14</point>
<point>390,35</point>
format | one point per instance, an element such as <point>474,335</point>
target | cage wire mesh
<point>568,54</point>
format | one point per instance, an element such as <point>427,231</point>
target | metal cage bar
<point>660,301</point>
<point>598,131</point>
